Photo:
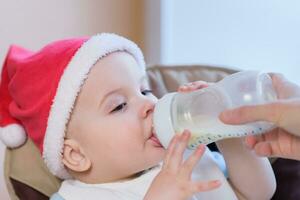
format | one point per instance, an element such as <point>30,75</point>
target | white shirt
<point>136,188</point>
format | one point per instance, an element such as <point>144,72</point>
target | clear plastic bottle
<point>198,111</point>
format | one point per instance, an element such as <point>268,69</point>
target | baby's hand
<point>174,180</point>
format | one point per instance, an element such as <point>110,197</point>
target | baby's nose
<point>148,108</point>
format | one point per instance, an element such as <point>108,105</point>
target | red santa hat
<point>38,90</point>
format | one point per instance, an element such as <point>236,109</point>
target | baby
<point>87,105</point>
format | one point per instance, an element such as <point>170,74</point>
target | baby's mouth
<point>154,138</point>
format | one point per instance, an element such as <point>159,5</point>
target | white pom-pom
<point>13,135</point>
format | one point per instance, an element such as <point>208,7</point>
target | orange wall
<point>33,23</point>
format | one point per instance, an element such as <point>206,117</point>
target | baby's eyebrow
<point>143,78</point>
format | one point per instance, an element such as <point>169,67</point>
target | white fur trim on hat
<point>13,135</point>
<point>69,86</point>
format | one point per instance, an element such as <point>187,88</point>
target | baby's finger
<point>190,163</point>
<point>170,150</point>
<point>205,186</point>
<point>200,84</point>
<point>183,88</point>
<point>193,86</point>
<point>176,157</point>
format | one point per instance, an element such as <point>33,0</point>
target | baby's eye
<point>119,107</point>
<point>145,92</point>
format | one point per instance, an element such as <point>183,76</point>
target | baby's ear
<point>74,158</point>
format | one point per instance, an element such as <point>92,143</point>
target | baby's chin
<point>158,159</point>
<point>150,167</point>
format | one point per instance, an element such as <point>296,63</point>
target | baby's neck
<point>136,175</point>
<point>89,179</point>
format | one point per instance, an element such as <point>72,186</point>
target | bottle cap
<point>162,119</point>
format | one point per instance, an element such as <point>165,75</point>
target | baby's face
<point>112,118</point>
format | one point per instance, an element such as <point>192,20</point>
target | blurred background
<point>250,34</point>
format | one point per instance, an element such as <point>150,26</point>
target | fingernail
<point>186,134</point>
<point>200,148</point>
<point>246,142</point>
<point>247,145</point>
<point>217,182</point>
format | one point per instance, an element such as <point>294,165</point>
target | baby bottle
<point>198,111</point>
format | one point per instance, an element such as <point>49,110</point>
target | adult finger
<point>270,112</point>
<point>252,140</point>
<point>268,149</point>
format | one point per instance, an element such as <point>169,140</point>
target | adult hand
<point>284,141</point>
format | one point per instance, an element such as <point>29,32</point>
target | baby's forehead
<point>116,70</point>
<point>119,64</point>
